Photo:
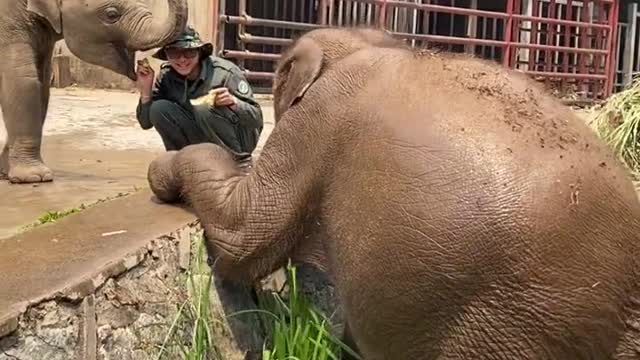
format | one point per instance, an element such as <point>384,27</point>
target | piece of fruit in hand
<point>207,100</point>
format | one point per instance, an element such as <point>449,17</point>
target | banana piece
<point>207,100</point>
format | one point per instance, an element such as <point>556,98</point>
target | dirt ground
<point>97,150</point>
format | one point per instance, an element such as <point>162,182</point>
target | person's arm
<point>145,101</point>
<point>247,109</point>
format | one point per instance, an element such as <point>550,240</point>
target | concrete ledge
<point>72,257</point>
<point>105,283</point>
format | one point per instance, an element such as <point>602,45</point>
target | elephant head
<point>302,63</point>
<point>108,32</point>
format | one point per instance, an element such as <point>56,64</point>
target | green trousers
<point>179,127</point>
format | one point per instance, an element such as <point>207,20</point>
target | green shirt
<point>214,73</point>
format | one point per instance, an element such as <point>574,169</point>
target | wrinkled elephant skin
<point>462,211</point>
<point>102,32</point>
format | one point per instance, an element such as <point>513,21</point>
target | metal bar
<point>622,28</point>
<point>472,27</point>
<point>498,43</point>
<point>235,54</point>
<point>382,18</point>
<point>322,13</point>
<point>265,40</point>
<point>270,75</point>
<point>599,43</point>
<point>508,29</point>
<point>560,48</point>
<point>567,75</point>
<point>483,13</point>
<point>583,40</point>
<point>614,11</point>
<point>630,44</point>
<point>258,75</point>
<point>221,27</point>
<point>494,35</point>
<point>331,12</point>
<point>251,21</point>
<point>242,11</point>
<point>567,36</point>
<point>548,56</point>
<point>533,55</point>
<point>515,33</point>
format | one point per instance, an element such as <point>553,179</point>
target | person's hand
<point>224,98</point>
<point>146,76</point>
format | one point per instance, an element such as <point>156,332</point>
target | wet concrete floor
<point>94,145</point>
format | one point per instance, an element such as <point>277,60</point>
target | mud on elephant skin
<point>461,210</point>
<point>102,32</point>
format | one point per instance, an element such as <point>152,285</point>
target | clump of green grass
<point>53,216</point>
<point>191,332</point>
<point>617,122</point>
<point>298,329</point>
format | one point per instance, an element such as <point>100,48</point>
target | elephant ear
<point>48,9</point>
<point>297,71</point>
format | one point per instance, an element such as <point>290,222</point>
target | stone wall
<point>127,312</point>
<point>87,75</point>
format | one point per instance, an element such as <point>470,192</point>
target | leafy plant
<point>296,328</point>
<point>299,330</point>
<point>53,216</point>
<point>617,122</point>
<point>191,331</point>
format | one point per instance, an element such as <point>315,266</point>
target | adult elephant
<point>463,212</point>
<point>101,32</point>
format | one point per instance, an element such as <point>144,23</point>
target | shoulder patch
<point>243,87</point>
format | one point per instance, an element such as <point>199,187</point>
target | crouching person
<point>233,120</point>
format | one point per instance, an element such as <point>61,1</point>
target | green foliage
<point>53,216</point>
<point>299,330</point>
<point>191,331</point>
<point>617,122</point>
<point>296,328</point>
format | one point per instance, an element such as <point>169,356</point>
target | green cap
<point>189,39</point>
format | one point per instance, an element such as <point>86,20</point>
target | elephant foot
<point>30,173</point>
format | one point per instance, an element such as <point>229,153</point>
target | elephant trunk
<point>206,170</point>
<point>162,181</point>
<point>154,31</point>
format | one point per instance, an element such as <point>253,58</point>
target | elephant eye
<point>111,15</point>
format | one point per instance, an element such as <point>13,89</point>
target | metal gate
<point>569,44</point>
<point>628,64</point>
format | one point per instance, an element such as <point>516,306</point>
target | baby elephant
<point>462,212</point>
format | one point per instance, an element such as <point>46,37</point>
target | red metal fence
<point>569,44</point>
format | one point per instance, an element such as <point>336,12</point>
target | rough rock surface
<point>130,315</point>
